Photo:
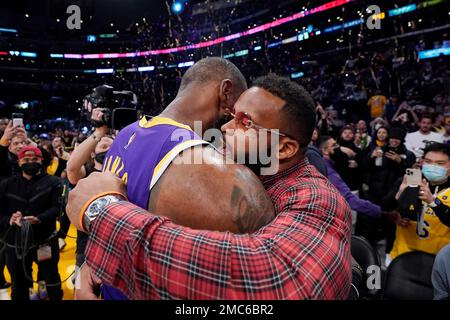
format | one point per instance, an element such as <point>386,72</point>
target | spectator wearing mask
<point>431,232</point>
<point>86,158</point>
<point>328,147</point>
<point>418,140</point>
<point>32,199</point>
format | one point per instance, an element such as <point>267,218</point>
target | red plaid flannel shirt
<point>304,253</point>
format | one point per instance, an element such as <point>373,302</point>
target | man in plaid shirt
<point>304,253</point>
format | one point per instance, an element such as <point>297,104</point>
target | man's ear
<point>288,148</point>
<point>225,95</point>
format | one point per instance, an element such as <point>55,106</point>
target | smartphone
<point>17,119</point>
<point>414,177</point>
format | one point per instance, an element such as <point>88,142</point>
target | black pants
<point>64,225</point>
<point>2,267</point>
<point>21,272</point>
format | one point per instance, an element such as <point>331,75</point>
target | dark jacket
<point>8,163</point>
<point>40,197</point>
<point>315,158</point>
<point>381,178</point>
<point>351,176</point>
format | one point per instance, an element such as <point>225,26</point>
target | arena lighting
<point>274,44</point>
<point>89,71</point>
<point>297,75</point>
<point>56,55</point>
<point>178,7</point>
<point>73,56</point>
<point>430,3</point>
<point>241,53</point>
<point>434,53</point>
<point>3,53</point>
<point>228,56</point>
<point>402,10</point>
<point>269,25</point>
<point>257,48</point>
<point>185,64</point>
<point>28,54</point>
<point>344,25</point>
<point>142,69</point>
<point>8,30</point>
<point>108,35</point>
<point>289,40</point>
<point>103,71</point>
<point>91,38</point>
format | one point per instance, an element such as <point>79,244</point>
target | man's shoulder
<point>51,180</point>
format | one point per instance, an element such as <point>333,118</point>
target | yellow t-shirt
<point>377,104</point>
<point>428,234</point>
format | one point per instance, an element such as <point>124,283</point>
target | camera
<point>119,107</point>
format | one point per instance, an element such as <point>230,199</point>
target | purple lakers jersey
<point>139,156</point>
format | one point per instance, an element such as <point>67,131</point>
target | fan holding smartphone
<point>424,199</point>
<point>17,120</point>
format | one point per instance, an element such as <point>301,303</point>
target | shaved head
<point>213,69</point>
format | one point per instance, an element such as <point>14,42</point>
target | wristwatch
<point>96,207</point>
<point>435,203</point>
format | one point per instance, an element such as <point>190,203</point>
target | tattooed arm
<point>211,195</point>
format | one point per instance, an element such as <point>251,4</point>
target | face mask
<point>100,157</point>
<point>32,168</point>
<point>434,173</point>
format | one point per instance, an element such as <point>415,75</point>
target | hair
<point>437,147</point>
<point>322,141</point>
<point>347,127</point>
<point>427,116</point>
<point>299,111</point>
<point>48,144</point>
<point>214,69</point>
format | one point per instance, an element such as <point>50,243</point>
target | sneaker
<point>4,295</point>
<point>42,290</point>
<point>61,243</point>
